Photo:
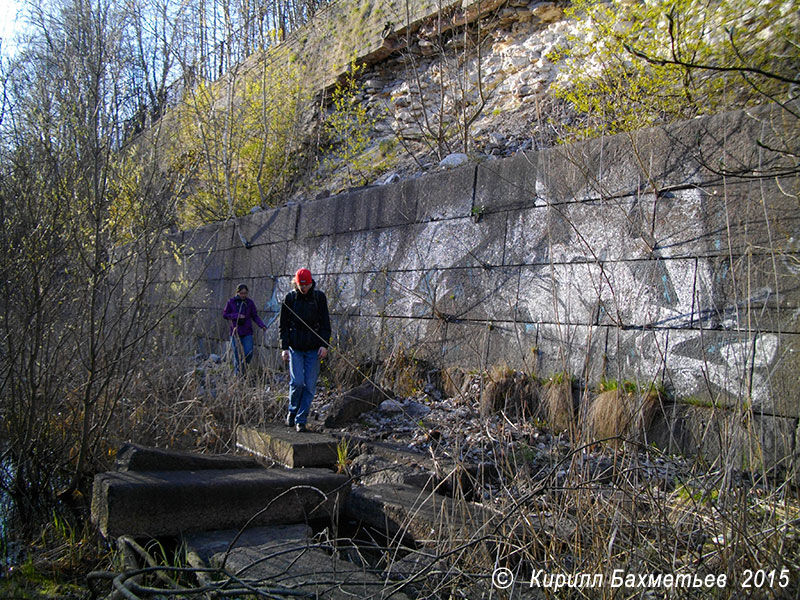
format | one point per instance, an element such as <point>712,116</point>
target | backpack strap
<point>315,297</point>
<point>290,300</point>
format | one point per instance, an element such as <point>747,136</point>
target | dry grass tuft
<point>558,404</point>
<point>406,374</point>
<point>514,392</point>
<point>455,382</point>
<point>622,414</point>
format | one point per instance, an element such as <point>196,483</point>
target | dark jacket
<point>304,321</point>
<point>241,314</point>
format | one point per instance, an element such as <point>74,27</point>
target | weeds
<point>573,507</point>
<point>558,403</point>
<point>569,506</point>
<point>563,507</point>
<point>343,460</point>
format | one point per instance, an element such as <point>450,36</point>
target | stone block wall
<point>654,257</point>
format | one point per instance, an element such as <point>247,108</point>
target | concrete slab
<point>388,462</point>
<point>161,503</point>
<point>286,560</point>
<point>288,447</point>
<point>210,547</point>
<point>472,532</point>
<point>134,457</point>
<point>399,510</point>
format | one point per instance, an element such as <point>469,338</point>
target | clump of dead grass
<point>622,412</point>
<point>514,392</point>
<point>456,382</point>
<point>559,403</point>
<point>194,403</point>
<point>407,374</point>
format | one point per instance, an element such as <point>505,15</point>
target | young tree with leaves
<point>634,64</point>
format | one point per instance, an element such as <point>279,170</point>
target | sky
<point>8,13</point>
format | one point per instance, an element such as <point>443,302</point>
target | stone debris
<point>424,476</point>
<point>454,160</point>
<point>350,405</point>
<point>417,93</point>
<point>421,440</point>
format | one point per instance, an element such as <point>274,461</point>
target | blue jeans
<point>241,344</point>
<point>303,373</point>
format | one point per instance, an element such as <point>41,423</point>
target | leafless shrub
<point>194,404</point>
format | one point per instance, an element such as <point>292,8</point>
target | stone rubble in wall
<point>403,93</point>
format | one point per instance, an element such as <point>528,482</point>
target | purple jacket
<point>244,313</point>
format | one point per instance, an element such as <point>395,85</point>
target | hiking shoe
<point>301,427</point>
<point>289,420</point>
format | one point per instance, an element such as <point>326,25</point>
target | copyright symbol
<point>502,578</point>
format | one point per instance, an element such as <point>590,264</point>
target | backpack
<point>299,335</point>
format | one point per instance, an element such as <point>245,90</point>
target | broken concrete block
<point>421,515</point>
<point>350,405</point>
<point>134,457</point>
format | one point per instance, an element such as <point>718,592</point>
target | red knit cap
<point>303,277</point>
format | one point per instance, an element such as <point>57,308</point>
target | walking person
<point>241,312</point>
<point>305,331</point>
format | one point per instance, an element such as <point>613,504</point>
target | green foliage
<point>387,147</point>
<point>27,584</point>
<point>630,387</point>
<point>139,203</point>
<point>239,151</point>
<point>697,495</point>
<point>524,454</point>
<point>626,386</point>
<point>561,377</point>
<point>349,126</point>
<point>634,64</point>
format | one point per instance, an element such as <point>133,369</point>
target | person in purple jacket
<point>241,312</point>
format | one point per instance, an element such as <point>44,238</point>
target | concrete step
<point>287,562</point>
<point>287,447</point>
<point>165,503</point>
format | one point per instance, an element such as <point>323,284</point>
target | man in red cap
<point>305,331</point>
